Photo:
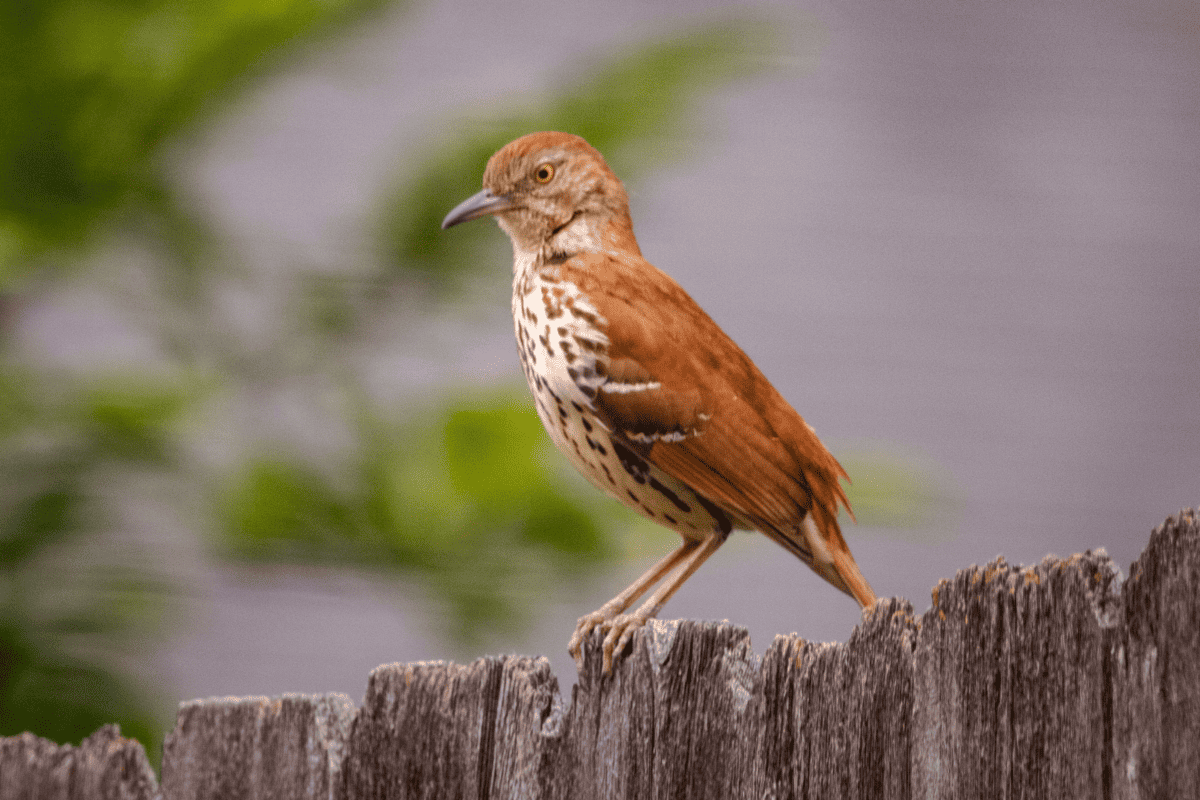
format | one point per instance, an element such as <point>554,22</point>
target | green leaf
<point>282,510</point>
<point>64,699</point>
<point>93,91</point>
<point>494,451</point>
<point>416,513</point>
<point>557,521</point>
<point>132,418</point>
<point>33,522</point>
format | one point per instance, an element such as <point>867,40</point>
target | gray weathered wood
<point>104,766</point>
<point>1054,681</point>
<point>638,733</point>
<point>441,730</point>
<point>842,726</point>
<point>1156,669</point>
<point>257,747</point>
<point>1011,676</point>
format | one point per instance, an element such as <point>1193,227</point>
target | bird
<point>642,391</point>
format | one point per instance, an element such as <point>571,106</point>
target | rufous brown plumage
<point>642,391</point>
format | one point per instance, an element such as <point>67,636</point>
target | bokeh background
<point>263,425</point>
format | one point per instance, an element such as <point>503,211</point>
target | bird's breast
<point>563,347</point>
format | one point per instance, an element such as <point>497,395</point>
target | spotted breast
<point>563,347</point>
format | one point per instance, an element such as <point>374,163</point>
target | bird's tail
<point>833,562</point>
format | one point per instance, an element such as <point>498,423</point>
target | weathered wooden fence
<point>1054,681</point>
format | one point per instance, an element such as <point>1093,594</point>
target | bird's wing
<point>693,404</point>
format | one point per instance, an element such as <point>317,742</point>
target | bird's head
<point>553,195</point>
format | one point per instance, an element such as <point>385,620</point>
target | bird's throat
<point>579,234</point>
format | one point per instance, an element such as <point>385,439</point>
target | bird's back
<point>692,422</point>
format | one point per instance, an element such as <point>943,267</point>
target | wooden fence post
<point>1057,680</point>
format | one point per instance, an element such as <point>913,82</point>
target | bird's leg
<point>619,627</point>
<point>603,616</point>
<point>622,627</point>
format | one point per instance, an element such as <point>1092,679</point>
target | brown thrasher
<point>641,390</point>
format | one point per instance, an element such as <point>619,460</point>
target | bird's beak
<point>476,206</point>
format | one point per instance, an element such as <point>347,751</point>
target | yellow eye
<point>544,173</point>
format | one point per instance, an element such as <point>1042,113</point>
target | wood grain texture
<point>1156,668</point>
<point>1011,675</point>
<point>257,747</point>
<point>1056,680</point>
<point>437,730</point>
<point>104,766</point>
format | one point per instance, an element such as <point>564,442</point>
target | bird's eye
<point>544,173</point>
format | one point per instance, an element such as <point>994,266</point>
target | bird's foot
<point>617,628</point>
<point>583,628</point>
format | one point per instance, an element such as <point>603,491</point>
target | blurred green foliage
<point>469,495</point>
<point>93,92</point>
<point>76,596</point>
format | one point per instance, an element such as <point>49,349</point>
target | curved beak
<point>478,205</point>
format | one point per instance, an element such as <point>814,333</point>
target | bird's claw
<point>618,629</point>
<point>583,628</point>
